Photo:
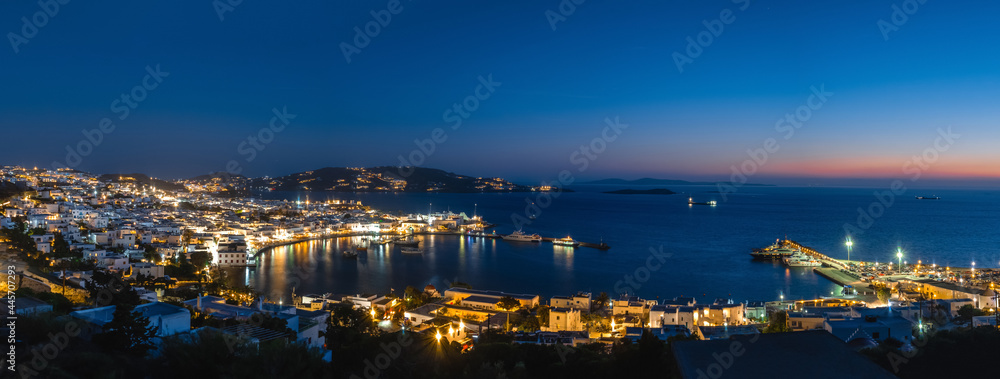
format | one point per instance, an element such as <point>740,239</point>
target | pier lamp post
<point>973,270</point>
<point>899,256</point>
<point>849,243</point>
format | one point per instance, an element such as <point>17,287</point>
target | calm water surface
<point>708,246</point>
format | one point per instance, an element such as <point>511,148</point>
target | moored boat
<point>409,242</point>
<point>568,242</point>
<point>520,236</point>
<point>411,250</point>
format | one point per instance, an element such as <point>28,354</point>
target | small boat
<point>411,250</point>
<point>928,198</point>
<point>777,251</point>
<point>410,241</point>
<point>350,253</point>
<point>568,242</point>
<point>519,236</point>
<point>361,247</point>
<point>800,259</point>
<point>692,202</point>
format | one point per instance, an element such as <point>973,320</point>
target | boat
<point>410,242</point>
<point>799,259</point>
<point>411,250</point>
<point>569,242</point>
<point>381,241</point>
<point>778,250</point>
<point>928,198</point>
<point>692,202</point>
<point>519,236</point>
<point>361,247</point>
<point>351,253</point>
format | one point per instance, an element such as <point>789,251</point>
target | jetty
<point>815,254</point>
<point>834,270</point>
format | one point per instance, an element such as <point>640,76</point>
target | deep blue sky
<point>940,68</point>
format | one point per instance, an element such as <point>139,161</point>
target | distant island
<point>654,191</point>
<point>664,182</point>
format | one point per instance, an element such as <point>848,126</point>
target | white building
<point>579,301</point>
<point>561,319</point>
<point>168,319</point>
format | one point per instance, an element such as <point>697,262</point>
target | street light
<point>849,243</point>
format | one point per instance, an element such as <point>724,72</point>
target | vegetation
<point>778,323</point>
<point>967,312</point>
<point>601,302</point>
<point>508,303</point>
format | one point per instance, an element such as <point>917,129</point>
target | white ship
<point>799,259</point>
<point>569,242</point>
<point>518,235</point>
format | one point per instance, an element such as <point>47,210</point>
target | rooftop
<point>810,354</point>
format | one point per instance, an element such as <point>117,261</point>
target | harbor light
<point>438,336</point>
<point>849,243</point>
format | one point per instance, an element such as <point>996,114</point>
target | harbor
<point>256,251</point>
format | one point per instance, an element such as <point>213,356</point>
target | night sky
<point>893,87</point>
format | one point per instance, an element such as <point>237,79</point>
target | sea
<point>661,247</point>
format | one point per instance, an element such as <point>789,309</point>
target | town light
<point>438,336</point>
<point>849,243</point>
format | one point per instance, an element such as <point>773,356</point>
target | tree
<point>143,280</point>
<point>199,259</point>
<point>601,302</point>
<point>60,248</point>
<point>109,289</point>
<point>186,236</point>
<point>529,324</point>
<point>543,315</point>
<point>967,312</point>
<point>883,294</point>
<point>348,327</point>
<point>778,323</point>
<point>150,254</point>
<point>508,303</point>
<point>127,332</point>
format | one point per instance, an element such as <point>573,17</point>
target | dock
<point>815,254</point>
